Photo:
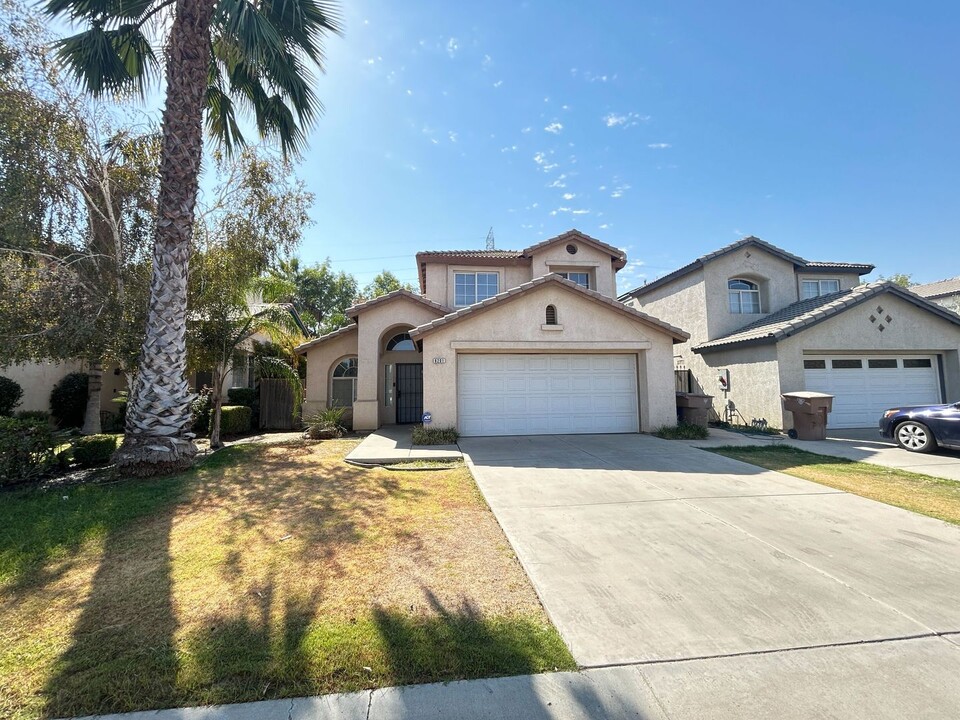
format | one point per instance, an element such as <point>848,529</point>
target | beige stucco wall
<point>37,380</point>
<point>516,326</point>
<point>754,392</point>
<point>320,361</point>
<point>555,258</point>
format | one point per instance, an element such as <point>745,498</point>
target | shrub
<point>68,400</point>
<point>423,435</point>
<point>242,396</point>
<point>26,449</point>
<point>326,424</point>
<point>200,407</point>
<point>10,395</point>
<point>41,415</point>
<point>93,450</point>
<point>235,419</point>
<point>682,431</point>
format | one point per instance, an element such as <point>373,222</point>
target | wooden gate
<point>276,404</point>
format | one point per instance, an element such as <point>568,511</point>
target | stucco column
<point>366,415</point>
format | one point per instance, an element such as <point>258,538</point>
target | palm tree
<point>221,56</point>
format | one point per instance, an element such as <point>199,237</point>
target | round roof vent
<point>572,249</point>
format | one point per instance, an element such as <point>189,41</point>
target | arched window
<point>401,341</point>
<point>551,315</point>
<point>343,385</point>
<point>744,296</point>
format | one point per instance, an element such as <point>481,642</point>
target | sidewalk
<point>860,445</point>
<point>394,443</point>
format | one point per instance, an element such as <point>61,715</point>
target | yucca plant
<point>222,57</point>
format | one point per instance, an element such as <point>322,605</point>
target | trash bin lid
<point>805,395</point>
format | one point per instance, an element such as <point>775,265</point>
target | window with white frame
<point>343,384</point>
<point>470,288</point>
<point>816,288</point>
<point>580,278</point>
<point>744,296</point>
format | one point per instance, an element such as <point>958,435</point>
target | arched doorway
<point>401,367</point>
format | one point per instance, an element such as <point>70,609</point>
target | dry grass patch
<point>269,571</point>
<point>912,491</point>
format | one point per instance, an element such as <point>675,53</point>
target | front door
<point>409,392</point>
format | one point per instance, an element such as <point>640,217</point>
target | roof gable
<point>676,333</point>
<point>938,289</point>
<point>618,256</point>
<point>301,349</point>
<point>355,310</point>
<point>805,314</point>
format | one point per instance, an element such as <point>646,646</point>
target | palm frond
<point>271,367</point>
<point>101,9</point>
<point>105,61</point>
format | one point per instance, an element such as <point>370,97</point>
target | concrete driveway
<point>650,551</point>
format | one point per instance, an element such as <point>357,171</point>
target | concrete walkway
<point>394,444</point>
<point>863,445</point>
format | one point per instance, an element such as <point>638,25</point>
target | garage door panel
<point>547,394</point>
<point>861,394</point>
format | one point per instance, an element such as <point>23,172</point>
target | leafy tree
<point>385,282</point>
<point>319,294</point>
<point>901,279</point>
<point>219,57</point>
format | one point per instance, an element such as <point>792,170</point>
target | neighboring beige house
<point>763,321</point>
<point>942,292</point>
<point>502,342</point>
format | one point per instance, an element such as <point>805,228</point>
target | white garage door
<point>866,386</point>
<point>547,394</point>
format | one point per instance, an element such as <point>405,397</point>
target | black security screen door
<point>409,393</point>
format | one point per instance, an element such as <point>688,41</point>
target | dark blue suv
<point>923,428</point>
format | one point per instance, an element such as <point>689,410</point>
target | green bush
<point>68,400</point>
<point>93,450</point>
<point>201,407</point>
<point>26,449</point>
<point>235,419</point>
<point>242,396</point>
<point>10,395</point>
<point>435,435</point>
<point>682,431</point>
<point>325,424</point>
<point>42,415</point>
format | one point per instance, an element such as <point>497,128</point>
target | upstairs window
<point>580,278</point>
<point>744,297</point>
<point>470,288</point>
<point>816,288</point>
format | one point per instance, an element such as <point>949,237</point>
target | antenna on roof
<point>491,243</point>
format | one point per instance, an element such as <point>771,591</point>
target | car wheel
<point>915,437</point>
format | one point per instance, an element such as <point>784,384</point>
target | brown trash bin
<point>694,408</point>
<point>810,411</point>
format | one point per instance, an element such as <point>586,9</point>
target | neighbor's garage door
<point>547,394</point>
<point>866,386</point>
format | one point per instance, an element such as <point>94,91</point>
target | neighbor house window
<point>580,278</point>
<point>816,288</point>
<point>401,341</point>
<point>744,296</point>
<point>343,390</point>
<point>470,288</point>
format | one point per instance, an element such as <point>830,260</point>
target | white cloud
<point>554,128</point>
<point>569,196</point>
<point>564,107</point>
<point>498,83</point>
<point>624,121</point>
<point>539,158</point>
<point>619,191</point>
<point>452,136</point>
<point>486,62</point>
<point>581,212</point>
<point>602,188</point>
<point>509,148</point>
<point>409,92</point>
<point>659,146</point>
<point>526,130</point>
<point>605,226</point>
<point>452,46</point>
<point>434,141</point>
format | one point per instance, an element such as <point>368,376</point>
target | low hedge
<point>26,449</point>
<point>423,435</point>
<point>235,419</point>
<point>682,431</point>
<point>93,450</point>
<point>242,396</point>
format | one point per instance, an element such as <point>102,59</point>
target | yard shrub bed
<point>94,450</point>
<point>235,419</point>
<point>423,435</point>
<point>26,449</point>
<point>682,431</point>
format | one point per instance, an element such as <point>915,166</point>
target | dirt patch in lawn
<point>912,491</point>
<point>270,571</point>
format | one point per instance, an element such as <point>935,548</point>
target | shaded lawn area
<point>912,491</point>
<point>267,571</point>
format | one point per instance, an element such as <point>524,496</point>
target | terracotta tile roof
<point>498,254</point>
<point>618,255</point>
<point>427,328</point>
<point>355,310</point>
<point>798,261</point>
<point>801,315</point>
<point>938,289</point>
<point>300,349</point>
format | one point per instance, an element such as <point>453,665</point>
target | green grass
<point>265,572</point>
<point>922,494</point>
<point>423,435</point>
<point>682,431</point>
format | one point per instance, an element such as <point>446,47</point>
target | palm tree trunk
<point>158,437</point>
<point>91,417</point>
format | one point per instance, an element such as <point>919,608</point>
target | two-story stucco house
<point>502,342</point>
<point>763,321</point>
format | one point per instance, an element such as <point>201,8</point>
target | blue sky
<point>669,129</point>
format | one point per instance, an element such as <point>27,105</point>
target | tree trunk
<point>91,418</point>
<point>216,399</point>
<point>158,437</point>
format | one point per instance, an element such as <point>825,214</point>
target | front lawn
<point>920,493</point>
<point>268,571</point>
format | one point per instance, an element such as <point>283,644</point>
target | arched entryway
<point>401,373</point>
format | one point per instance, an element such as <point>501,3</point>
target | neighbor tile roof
<point>859,268</point>
<point>497,254</point>
<point>355,310</point>
<point>801,315</point>
<point>938,289</point>
<point>300,349</point>
<point>678,334</point>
